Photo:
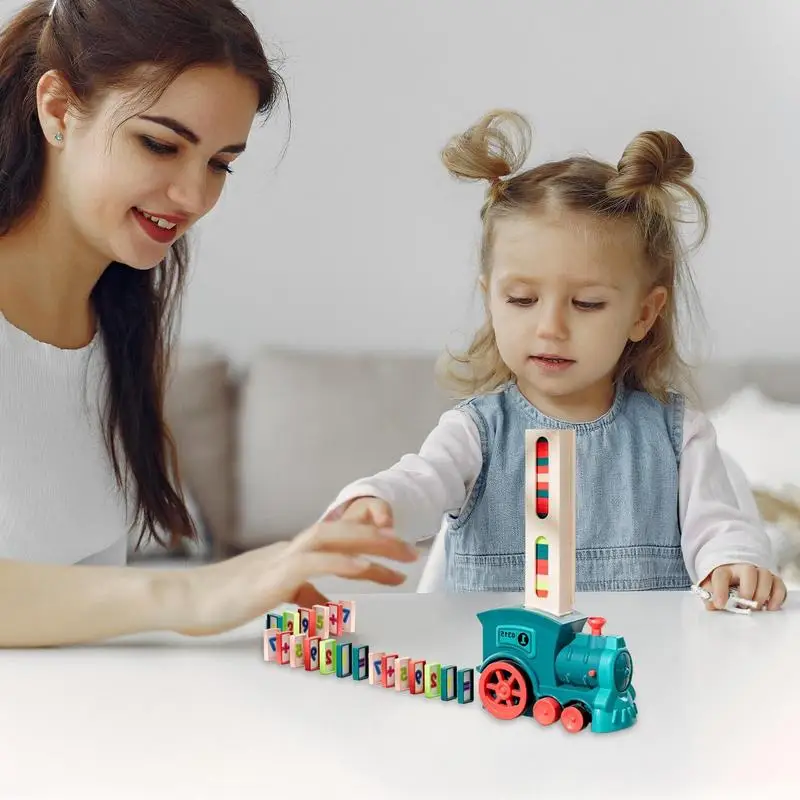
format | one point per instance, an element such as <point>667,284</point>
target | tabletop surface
<point>161,715</point>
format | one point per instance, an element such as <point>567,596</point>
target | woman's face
<point>131,190</point>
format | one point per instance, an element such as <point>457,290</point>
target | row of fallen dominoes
<point>307,637</point>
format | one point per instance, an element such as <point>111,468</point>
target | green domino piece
<point>327,656</point>
<point>541,551</point>
<point>433,680</point>
<point>291,618</point>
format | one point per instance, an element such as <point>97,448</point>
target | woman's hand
<point>219,597</point>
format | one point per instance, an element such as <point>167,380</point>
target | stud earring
<point>59,137</point>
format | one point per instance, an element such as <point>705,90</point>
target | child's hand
<point>369,511</point>
<point>752,583</point>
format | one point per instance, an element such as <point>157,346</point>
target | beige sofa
<point>265,449</point>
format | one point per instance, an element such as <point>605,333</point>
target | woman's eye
<point>158,147</point>
<point>588,306</point>
<point>163,149</point>
<point>520,301</point>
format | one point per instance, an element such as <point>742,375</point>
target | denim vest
<point>626,498</point>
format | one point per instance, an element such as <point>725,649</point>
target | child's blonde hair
<point>647,188</point>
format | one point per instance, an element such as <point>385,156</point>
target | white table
<point>162,716</point>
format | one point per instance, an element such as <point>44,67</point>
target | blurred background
<point>341,259</point>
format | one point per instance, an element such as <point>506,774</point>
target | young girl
<point>120,122</point>
<point>581,266</point>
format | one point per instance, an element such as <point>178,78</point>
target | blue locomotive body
<point>535,664</point>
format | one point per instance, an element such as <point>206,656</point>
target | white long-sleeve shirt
<point>719,523</point>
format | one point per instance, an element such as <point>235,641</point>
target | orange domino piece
<point>416,676</point>
<point>388,673</point>
<point>335,614</point>
<point>401,671</point>
<point>284,646</point>
<point>297,650</point>
<point>311,653</point>
<point>321,622</point>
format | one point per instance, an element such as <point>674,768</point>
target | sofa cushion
<point>200,412</point>
<point>309,423</point>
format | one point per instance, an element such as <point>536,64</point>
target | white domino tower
<point>550,521</point>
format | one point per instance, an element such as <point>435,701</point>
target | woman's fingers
<point>308,565</point>
<point>354,539</point>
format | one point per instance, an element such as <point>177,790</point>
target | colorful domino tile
<point>360,662</point>
<point>284,645</point>
<point>376,668</point>
<point>306,621</point>
<point>433,679</point>
<point>274,621</point>
<point>311,653</point>
<point>465,682</point>
<point>344,659</point>
<point>401,682</point>
<point>388,670</point>
<point>327,656</point>
<point>291,622</point>
<point>335,614</point>
<point>296,649</point>
<point>416,673</point>
<point>348,616</point>
<point>321,622</point>
<point>449,682</point>
<point>271,644</point>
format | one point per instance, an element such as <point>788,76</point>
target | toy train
<point>540,666</point>
<point>533,665</point>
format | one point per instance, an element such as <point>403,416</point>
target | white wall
<point>359,238</point>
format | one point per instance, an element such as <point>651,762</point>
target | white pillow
<point>762,436</point>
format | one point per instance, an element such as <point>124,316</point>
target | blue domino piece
<point>466,685</point>
<point>448,681</point>
<point>361,662</point>
<point>344,659</point>
<point>274,621</point>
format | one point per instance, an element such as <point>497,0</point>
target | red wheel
<point>547,710</point>
<point>574,718</point>
<point>503,690</point>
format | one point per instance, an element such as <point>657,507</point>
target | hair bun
<point>493,148</point>
<point>653,160</point>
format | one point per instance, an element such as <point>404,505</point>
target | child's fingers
<point>381,513</point>
<point>764,588</point>
<point>778,596</point>
<point>720,586</point>
<point>748,581</point>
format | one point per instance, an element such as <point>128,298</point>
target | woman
<point>119,125</point>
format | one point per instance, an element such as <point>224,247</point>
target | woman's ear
<point>52,102</point>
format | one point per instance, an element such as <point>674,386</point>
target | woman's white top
<point>59,501</point>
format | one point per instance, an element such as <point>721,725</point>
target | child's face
<point>568,287</point>
<point>169,160</point>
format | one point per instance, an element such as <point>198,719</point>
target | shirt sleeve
<point>422,487</point>
<point>719,520</point>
